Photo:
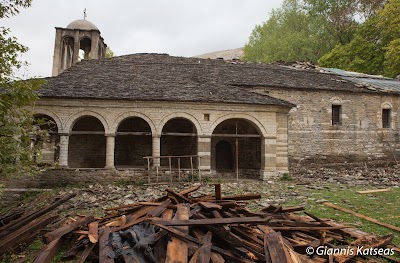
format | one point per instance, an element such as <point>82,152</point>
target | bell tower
<point>81,39</point>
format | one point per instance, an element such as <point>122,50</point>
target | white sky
<point>176,27</point>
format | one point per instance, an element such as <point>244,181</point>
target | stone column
<point>110,149</point>
<point>268,158</point>
<point>156,149</point>
<point>204,151</point>
<point>63,159</point>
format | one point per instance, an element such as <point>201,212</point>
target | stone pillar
<point>204,151</point>
<point>77,46</point>
<point>110,149</point>
<point>268,158</point>
<point>63,159</point>
<point>156,149</point>
<point>57,53</point>
<point>94,49</point>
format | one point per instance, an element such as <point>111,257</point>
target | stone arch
<point>179,137</point>
<point>255,122</point>
<point>133,141</point>
<point>75,117</point>
<point>242,135</point>
<point>87,143</point>
<point>336,101</point>
<point>386,105</point>
<point>132,114</point>
<point>182,115</point>
<point>50,113</point>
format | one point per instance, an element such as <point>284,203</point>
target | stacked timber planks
<point>185,227</point>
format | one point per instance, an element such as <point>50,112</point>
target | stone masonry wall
<point>359,139</point>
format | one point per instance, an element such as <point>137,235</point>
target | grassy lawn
<point>384,207</point>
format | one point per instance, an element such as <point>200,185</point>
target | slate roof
<point>160,77</point>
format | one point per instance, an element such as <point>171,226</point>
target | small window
<point>385,118</point>
<point>206,116</point>
<point>336,113</point>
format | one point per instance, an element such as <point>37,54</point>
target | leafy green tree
<point>16,95</point>
<point>290,34</point>
<point>375,47</point>
<point>109,53</point>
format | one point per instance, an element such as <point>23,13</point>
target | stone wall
<point>359,139</point>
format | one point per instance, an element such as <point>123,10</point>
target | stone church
<point>134,114</point>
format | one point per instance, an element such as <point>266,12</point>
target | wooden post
<point>191,167</point>
<point>148,169</point>
<point>179,169</point>
<point>170,169</point>
<point>199,164</point>
<point>218,195</point>
<point>237,155</point>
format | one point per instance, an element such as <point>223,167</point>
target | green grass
<point>380,206</point>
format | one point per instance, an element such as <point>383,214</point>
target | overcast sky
<point>176,27</point>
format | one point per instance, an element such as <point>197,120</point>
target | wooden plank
<point>273,243</point>
<point>212,221</point>
<point>370,219</point>
<point>104,248</point>
<point>232,197</point>
<point>218,194</point>
<point>136,218</point>
<point>49,252</point>
<point>209,205</point>
<point>179,196</point>
<point>59,232</point>
<point>157,211</point>
<point>94,232</point>
<point>86,253</point>
<point>186,192</point>
<point>374,191</point>
<point>25,233</point>
<point>203,253</point>
<point>27,219</point>
<point>216,249</point>
<point>177,249</point>
<point>130,259</point>
<point>217,258</point>
<point>160,248</point>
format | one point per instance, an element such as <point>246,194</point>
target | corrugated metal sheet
<point>373,82</point>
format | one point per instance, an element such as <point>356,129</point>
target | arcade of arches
<point>233,143</point>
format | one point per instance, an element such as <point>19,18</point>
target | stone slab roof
<point>152,77</point>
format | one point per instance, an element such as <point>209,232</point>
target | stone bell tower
<point>81,39</point>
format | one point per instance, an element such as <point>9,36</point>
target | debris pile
<point>185,227</point>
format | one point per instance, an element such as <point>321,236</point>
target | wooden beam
<point>218,194</point>
<point>374,191</point>
<point>221,251</point>
<point>273,245</point>
<point>59,232</point>
<point>133,133</point>
<point>94,232</point>
<point>49,252</point>
<point>104,247</point>
<point>177,249</point>
<point>370,219</point>
<point>203,253</point>
<point>237,135</point>
<point>87,133</point>
<point>86,253</point>
<point>212,221</point>
<point>185,134</point>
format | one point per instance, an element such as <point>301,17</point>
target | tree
<point>16,128</point>
<point>109,53</point>
<point>308,29</point>
<point>375,47</point>
<point>289,34</point>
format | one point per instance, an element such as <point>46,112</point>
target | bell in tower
<point>81,39</point>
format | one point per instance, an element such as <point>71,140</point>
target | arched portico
<point>179,138</point>
<point>236,144</point>
<point>133,141</point>
<point>49,145</point>
<point>87,143</point>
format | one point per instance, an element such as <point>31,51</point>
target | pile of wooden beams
<point>185,227</point>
